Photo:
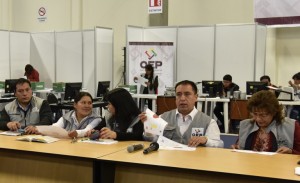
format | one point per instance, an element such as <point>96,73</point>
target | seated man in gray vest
<point>26,111</point>
<point>186,124</point>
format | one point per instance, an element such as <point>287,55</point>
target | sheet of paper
<point>253,152</point>
<point>53,131</point>
<point>141,80</point>
<point>273,88</point>
<point>101,141</point>
<point>38,138</point>
<point>10,133</point>
<point>154,125</point>
<point>167,144</point>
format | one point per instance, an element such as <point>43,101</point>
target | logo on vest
<point>197,132</point>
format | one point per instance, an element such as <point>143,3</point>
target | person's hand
<point>235,146</point>
<point>13,125</point>
<point>284,150</point>
<point>195,141</point>
<point>291,83</point>
<point>73,134</point>
<point>31,130</point>
<point>106,133</point>
<point>143,117</point>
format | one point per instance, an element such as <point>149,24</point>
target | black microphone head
<point>153,147</point>
<point>95,135</point>
<point>155,144</point>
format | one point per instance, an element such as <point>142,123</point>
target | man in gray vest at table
<point>186,124</point>
<point>26,111</point>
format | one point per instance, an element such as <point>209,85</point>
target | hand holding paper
<point>154,125</point>
<point>141,80</point>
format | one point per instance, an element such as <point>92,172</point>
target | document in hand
<point>37,138</point>
<point>141,80</point>
<point>53,131</point>
<point>154,125</point>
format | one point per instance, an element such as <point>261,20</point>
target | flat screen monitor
<point>71,90</point>
<point>10,85</point>
<point>212,88</point>
<point>103,87</point>
<point>255,86</point>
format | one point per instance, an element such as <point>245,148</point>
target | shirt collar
<point>192,114</point>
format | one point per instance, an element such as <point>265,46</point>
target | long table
<point>61,161</point>
<point>64,161</point>
<point>205,165</point>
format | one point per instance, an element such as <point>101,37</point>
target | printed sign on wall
<point>155,6</point>
<point>159,54</point>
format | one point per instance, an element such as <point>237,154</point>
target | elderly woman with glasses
<point>268,130</point>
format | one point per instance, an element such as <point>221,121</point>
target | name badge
<point>197,132</point>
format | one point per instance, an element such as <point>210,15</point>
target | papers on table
<point>53,131</point>
<point>38,138</point>
<point>154,125</point>
<point>11,133</point>
<point>100,141</point>
<point>141,80</point>
<point>254,152</point>
<point>167,144</point>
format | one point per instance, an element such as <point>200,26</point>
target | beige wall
<point>283,44</point>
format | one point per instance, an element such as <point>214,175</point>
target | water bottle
<point>146,105</point>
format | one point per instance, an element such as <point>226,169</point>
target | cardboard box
<point>37,85</point>
<point>58,87</point>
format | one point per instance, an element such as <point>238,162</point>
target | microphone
<point>153,147</point>
<point>136,147</point>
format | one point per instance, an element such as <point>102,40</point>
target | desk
<point>62,161</point>
<point>153,97</point>
<point>225,102</point>
<point>203,165</point>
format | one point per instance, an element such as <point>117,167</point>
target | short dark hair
<point>187,82</point>
<point>149,67</point>
<point>21,81</point>
<point>28,68</point>
<point>227,77</point>
<point>265,77</point>
<point>296,76</point>
<point>82,94</point>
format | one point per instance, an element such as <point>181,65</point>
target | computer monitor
<point>255,86</point>
<point>212,88</point>
<point>10,85</point>
<point>71,90</point>
<point>103,88</point>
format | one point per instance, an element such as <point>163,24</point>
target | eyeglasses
<point>260,115</point>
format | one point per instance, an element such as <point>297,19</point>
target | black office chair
<point>52,99</point>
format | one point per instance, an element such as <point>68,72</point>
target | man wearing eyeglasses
<point>268,130</point>
<point>186,124</point>
<point>26,111</point>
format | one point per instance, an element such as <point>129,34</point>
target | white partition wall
<point>19,53</point>
<point>4,55</point>
<point>69,56</point>
<point>104,55</point>
<point>88,43</point>
<point>235,53</point>
<point>260,51</point>
<point>195,52</point>
<point>210,52</point>
<point>42,56</point>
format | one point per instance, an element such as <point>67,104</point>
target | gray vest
<point>69,123</point>
<point>284,132</point>
<point>31,117</point>
<point>172,130</point>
